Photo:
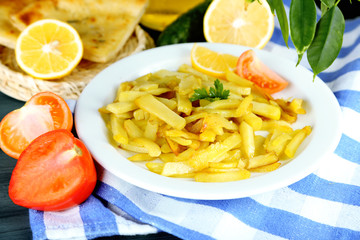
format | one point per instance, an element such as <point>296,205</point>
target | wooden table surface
<point>14,220</point>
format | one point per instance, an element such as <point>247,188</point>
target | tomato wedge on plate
<point>43,112</point>
<point>250,67</point>
<point>54,172</point>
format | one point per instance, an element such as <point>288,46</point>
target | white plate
<point>323,114</point>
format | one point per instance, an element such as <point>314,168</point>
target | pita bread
<point>103,25</point>
<point>9,33</point>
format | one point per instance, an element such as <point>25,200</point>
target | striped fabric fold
<point>324,205</point>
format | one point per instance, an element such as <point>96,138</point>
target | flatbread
<point>9,33</point>
<point>103,25</point>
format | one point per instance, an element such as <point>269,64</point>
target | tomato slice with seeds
<point>59,109</point>
<point>250,67</point>
<point>43,112</point>
<point>53,173</point>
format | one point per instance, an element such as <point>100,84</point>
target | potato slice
<point>121,107</point>
<point>247,139</point>
<point>213,152</point>
<point>222,177</point>
<point>132,129</point>
<point>155,167</point>
<point>266,110</point>
<point>141,157</point>
<point>176,168</point>
<point>295,142</point>
<point>262,160</point>
<point>153,149</point>
<point>233,77</point>
<point>267,168</point>
<point>118,130</point>
<point>150,104</point>
<point>245,106</point>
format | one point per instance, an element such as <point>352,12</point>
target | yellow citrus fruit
<point>239,22</point>
<point>212,63</point>
<point>48,49</point>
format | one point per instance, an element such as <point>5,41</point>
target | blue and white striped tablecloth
<point>324,205</point>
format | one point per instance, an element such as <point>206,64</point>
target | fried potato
<point>234,78</point>
<point>295,142</point>
<point>245,106</point>
<point>133,147</point>
<point>155,167</point>
<point>121,107</point>
<point>209,141</point>
<point>220,170</point>
<point>141,157</point>
<point>153,149</point>
<point>176,168</point>
<point>222,177</point>
<point>222,104</point>
<point>262,160</point>
<point>267,168</point>
<point>213,152</point>
<point>118,130</point>
<point>151,130</point>
<point>223,165</point>
<point>247,139</point>
<point>150,104</point>
<point>277,142</point>
<point>183,104</point>
<point>253,120</point>
<point>132,129</point>
<point>266,110</point>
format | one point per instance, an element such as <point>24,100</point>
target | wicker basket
<point>15,83</point>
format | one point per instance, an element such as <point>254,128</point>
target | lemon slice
<point>48,49</point>
<point>239,22</point>
<point>212,63</point>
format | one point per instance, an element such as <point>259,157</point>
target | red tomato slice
<point>19,127</point>
<point>54,172</point>
<point>251,68</point>
<point>59,109</point>
<point>42,113</point>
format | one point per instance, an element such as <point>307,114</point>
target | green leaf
<point>325,5</point>
<point>215,93</point>
<point>199,94</point>
<point>327,41</point>
<point>271,4</point>
<point>328,3</point>
<point>279,8</point>
<point>302,18</point>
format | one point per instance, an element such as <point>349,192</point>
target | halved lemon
<point>239,22</point>
<point>48,49</point>
<point>212,63</point>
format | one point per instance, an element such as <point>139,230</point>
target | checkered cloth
<point>323,205</point>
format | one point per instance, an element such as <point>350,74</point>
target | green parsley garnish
<point>214,94</point>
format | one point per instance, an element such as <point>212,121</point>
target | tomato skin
<point>53,173</point>
<point>251,68</point>
<point>43,112</point>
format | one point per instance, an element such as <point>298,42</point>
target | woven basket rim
<point>21,86</point>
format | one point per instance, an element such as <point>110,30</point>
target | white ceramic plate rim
<point>324,115</point>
